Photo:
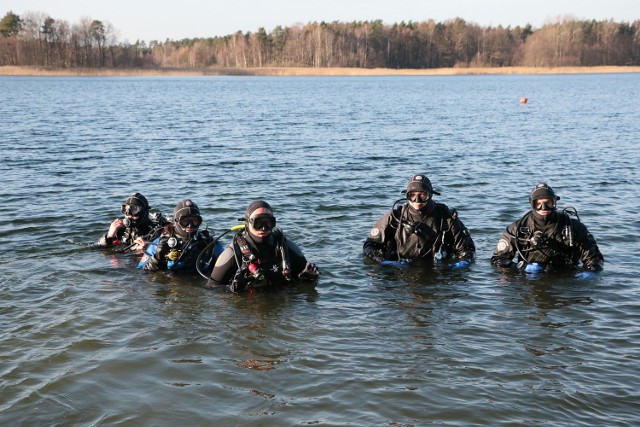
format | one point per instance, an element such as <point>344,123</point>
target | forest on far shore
<point>38,40</point>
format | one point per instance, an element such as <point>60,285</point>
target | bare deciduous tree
<point>39,40</point>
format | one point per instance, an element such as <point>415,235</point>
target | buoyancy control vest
<point>177,253</point>
<point>260,268</point>
<point>422,236</point>
<point>552,245</point>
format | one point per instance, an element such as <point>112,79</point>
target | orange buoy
<point>523,100</point>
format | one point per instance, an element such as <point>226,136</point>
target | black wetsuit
<point>405,233</point>
<point>554,243</point>
<point>181,256</point>
<point>246,264</point>
<point>147,228</point>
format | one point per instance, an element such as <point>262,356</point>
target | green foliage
<point>97,31</point>
<point>10,25</point>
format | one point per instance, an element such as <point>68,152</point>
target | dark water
<point>85,339</point>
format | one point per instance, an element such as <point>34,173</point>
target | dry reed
<point>302,71</point>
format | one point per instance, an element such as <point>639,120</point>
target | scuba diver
<point>546,240</point>
<point>136,228</point>
<point>260,256</point>
<point>420,229</point>
<point>181,242</point>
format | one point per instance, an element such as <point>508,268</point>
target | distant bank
<point>282,71</point>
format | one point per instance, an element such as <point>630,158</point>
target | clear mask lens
<point>131,210</point>
<point>263,223</point>
<point>193,221</point>
<point>417,197</point>
<point>546,205</point>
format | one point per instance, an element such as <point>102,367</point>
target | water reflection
<point>119,261</point>
<point>554,304</point>
<point>424,295</point>
<point>417,274</point>
<point>548,292</point>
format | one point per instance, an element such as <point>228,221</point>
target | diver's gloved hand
<point>173,255</point>
<point>534,267</point>
<point>376,258</point>
<point>373,254</point>
<point>460,265</point>
<point>587,275</point>
<point>310,272</point>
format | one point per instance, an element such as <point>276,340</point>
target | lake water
<point>86,339</point>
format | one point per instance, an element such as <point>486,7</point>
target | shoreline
<point>302,71</point>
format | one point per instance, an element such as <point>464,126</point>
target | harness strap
<point>410,223</point>
<point>284,254</point>
<point>524,235</point>
<point>245,254</point>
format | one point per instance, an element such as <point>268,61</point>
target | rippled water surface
<point>86,339</point>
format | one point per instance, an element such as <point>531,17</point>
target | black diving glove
<point>310,272</point>
<point>375,255</point>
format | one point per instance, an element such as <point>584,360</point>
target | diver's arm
<point>375,246</point>
<point>505,249</point>
<point>224,269</point>
<point>465,249</point>
<point>590,255</point>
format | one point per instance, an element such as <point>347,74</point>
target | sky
<point>159,20</point>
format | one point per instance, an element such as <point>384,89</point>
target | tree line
<point>37,39</point>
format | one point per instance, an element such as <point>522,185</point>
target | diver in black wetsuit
<point>420,229</point>
<point>260,256</point>
<point>181,242</point>
<point>136,228</point>
<point>545,239</point>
